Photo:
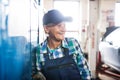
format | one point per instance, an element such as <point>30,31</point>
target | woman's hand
<point>39,76</point>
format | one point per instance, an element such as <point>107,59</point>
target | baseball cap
<point>55,17</point>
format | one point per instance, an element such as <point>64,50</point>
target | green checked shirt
<point>74,48</point>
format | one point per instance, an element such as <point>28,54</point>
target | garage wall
<point>48,4</point>
<point>107,12</point>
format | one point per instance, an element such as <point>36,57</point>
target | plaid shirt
<point>74,48</point>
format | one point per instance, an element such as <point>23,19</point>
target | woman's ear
<point>46,29</point>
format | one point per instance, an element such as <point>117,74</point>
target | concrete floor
<point>107,77</point>
<point>108,74</point>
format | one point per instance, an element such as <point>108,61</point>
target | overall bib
<point>63,68</point>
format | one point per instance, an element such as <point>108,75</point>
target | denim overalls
<point>63,68</point>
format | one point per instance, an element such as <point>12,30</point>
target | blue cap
<point>54,17</point>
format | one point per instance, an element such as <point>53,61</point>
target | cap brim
<point>68,19</point>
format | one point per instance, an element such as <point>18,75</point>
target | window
<point>117,14</point>
<point>70,8</point>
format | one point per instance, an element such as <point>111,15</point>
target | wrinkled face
<point>56,32</point>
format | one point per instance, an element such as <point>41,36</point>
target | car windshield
<point>114,38</point>
<point>108,31</point>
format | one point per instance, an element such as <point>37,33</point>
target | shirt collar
<point>43,48</point>
<point>65,43</point>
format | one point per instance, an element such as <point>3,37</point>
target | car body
<point>109,48</point>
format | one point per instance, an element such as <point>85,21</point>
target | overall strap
<point>66,51</point>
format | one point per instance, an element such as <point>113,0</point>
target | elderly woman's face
<point>56,32</point>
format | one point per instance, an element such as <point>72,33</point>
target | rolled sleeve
<point>82,63</point>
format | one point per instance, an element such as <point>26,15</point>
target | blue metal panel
<point>16,29</point>
<point>15,63</point>
<point>15,52</point>
<point>15,59</point>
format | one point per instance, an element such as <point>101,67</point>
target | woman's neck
<point>53,44</point>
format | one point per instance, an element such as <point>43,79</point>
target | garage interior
<point>92,18</point>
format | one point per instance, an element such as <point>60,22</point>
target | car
<point>109,48</point>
